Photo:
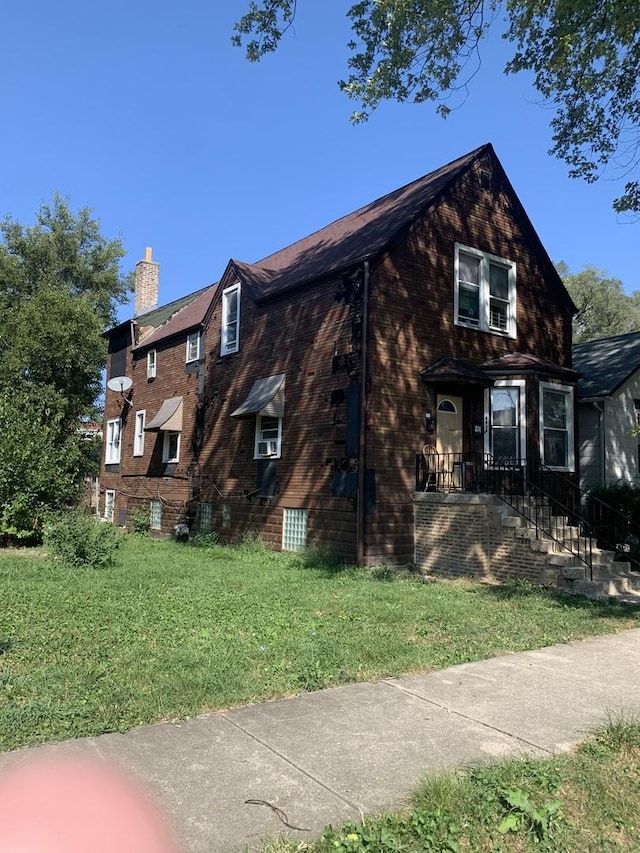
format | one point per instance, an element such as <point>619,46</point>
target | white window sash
<point>109,505</point>
<point>261,436</point>
<point>228,343</point>
<point>567,390</point>
<point>112,454</point>
<point>484,322</point>
<point>193,347</point>
<point>138,440</point>
<point>521,421</point>
<point>151,364</point>
<point>166,446</point>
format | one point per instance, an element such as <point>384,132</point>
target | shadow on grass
<point>325,561</point>
<point>519,589</point>
<point>5,646</point>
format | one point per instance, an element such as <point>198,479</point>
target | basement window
<point>155,514</point>
<point>294,529</point>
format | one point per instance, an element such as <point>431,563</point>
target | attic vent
<point>484,180</point>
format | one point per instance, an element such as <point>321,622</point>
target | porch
<point>511,517</point>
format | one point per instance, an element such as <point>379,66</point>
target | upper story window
<point>485,291</point>
<point>268,437</point>
<point>151,364</point>
<point>138,438</point>
<point>556,426</point>
<point>230,337</point>
<point>171,447</point>
<point>193,347</point>
<point>112,452</point>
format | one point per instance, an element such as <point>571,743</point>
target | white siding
<point>589,446</point>
<point>621,461</point>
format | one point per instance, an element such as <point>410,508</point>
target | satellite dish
<point>120,383</point>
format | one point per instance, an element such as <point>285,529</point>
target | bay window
<point>505,438</point>
<point>556,426</point>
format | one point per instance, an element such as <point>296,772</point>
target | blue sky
<point>145,113</point>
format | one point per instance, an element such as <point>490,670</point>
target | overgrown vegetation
<point>614,512</point>
<point>78,539</point>
<point>167,631</point>
<point>60,285</point>
<point>584,802</point>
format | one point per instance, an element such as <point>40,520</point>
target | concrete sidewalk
<point>326,757</point>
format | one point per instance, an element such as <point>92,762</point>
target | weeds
<point>79,540</point>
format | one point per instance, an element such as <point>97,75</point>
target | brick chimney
<point>146,284</point>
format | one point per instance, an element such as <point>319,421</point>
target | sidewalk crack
<point>293,764</point>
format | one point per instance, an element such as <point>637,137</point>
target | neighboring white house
<point>609,410</point>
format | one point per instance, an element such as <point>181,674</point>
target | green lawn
<point>172,630</point>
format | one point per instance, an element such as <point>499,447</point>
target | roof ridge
<point>470,156</point>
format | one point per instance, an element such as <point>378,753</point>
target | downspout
<point>360,506</point>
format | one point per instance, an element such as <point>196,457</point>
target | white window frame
<point>226,346</point>
<point>484,320</point>
<point>138,437</point>
<point>274,445</point>
<point>569,392</point>
<point>166,446</point>
<point>522,415</point>
<point>152,359</point>
<point>114,442</point>
<point>109,505</point>
<point>193,347</point>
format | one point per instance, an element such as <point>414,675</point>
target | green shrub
<point>139,519</point>
<point>614,513</point>
<point>78,539</point>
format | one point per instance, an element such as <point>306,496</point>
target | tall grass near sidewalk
<point>172,630</point>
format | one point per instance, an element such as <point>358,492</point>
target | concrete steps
<point>608,577</point>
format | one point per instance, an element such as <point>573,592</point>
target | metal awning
<point>169,416</point>
<point>266,397</point>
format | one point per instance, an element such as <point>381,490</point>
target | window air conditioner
<point>267,448</point>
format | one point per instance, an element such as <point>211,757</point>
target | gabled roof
<point>353,237</point>
<point>347,241</point>
<point>606,364</point>
<point>175,318</point>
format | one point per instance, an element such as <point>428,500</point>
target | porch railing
<point>552,504</point>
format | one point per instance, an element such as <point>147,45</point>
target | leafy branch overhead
<point>584,56</point>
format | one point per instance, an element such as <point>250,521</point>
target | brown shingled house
<point>292,397</point>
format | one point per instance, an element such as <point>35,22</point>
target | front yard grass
<point>172,630</point>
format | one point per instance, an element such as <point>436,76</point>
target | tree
<point>584,56</point>
<point>603,307</point>
<point>60,283</point>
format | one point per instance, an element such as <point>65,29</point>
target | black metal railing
<point>553,505</point>
<point>611,528</point>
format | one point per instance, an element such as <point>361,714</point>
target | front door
<point>449,424</point>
